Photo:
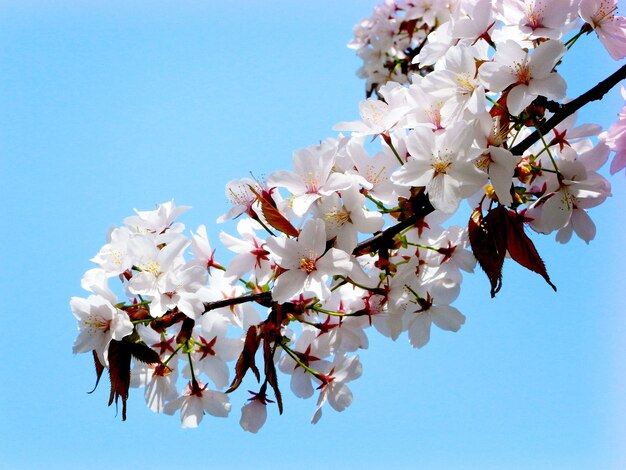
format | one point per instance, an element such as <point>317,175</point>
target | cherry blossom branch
<point>262,298</point>
<point>593,94</point>
<point>373,243</point>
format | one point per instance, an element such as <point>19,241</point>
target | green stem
<point>393,149</point>
<point>172,355</point>
<point>295,357</point>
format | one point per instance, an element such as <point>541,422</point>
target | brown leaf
<point>99,370</point>
<point>273,215</point>
<point>521,248</point>
<point>270,373</point>
<point>246,359</point>
<point>409,27</point>
<point>144,353</point>
<point>119,372</point>
<point>487,237</point>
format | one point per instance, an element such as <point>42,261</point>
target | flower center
<point>464,84</point>
<point>152,267</point>
<point>605,12</point>
<point>308,264</point>
<point>337,216</point>
<point>311,181</point>
<point>97,324</point>
<point>522,72</point>
<point>441,164</point>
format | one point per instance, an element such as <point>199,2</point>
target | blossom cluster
<point>389,39</point>
<point>355,238</point>
<point>403,37</point>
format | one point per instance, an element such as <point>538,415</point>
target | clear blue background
<point>106,106</point>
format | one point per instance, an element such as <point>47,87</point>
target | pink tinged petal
<point>553,86</point>
<point>374,114</point>
<point>518,98</point>
<point>612,34</point>
<point>234,244</point>
<point>356,127</point>
<point>446,317</point>
<point>96,281</point>
<point>121,325</point>
<point>445,290</point>
<point>284,252</point>
<point>158,391</point>
<point>496,77</point>
<point>619,162</point>
<point>287,179</point>
<point>301,383</point>
<point>216,369</point>
<point>583,225</point>
<point>545,57</point>
<point>216,403</point>
<point>347,369</point>
<point>565,234</point>
<point>421,142</point>
<point>240,265</point>
<point>288,285</point>
<point>253,416</point>
<point>171,251</point>
<point>501,171</point>
<point>312,238</point>
<point>336,261</point>
<point>229,348</point>
<point>301,204</point>
<point>414,173</point>
<point>443,193</point>
<point>318,410</point>
<point>419,330</point>
<point>556,211</point>
<point>200,244</point>
<point>336,182</point>
<point>369,221</point>
<point>339,396</point>
<point>191,412</point>
<point>510,53</point>
<point>190,305</point>
<point>315,284</point>
<point>232,213</point>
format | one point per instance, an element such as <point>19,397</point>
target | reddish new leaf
<point>99,370</point>
<point>521,248</point>
<point>246,359</point>
<point>144,353</point>
<point>273,215</point>
<point>487,237</point>
<point>119,373</point>
<point>270,373</point>
<point>409,27</point>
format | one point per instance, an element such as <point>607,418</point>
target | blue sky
<point>106,107</point>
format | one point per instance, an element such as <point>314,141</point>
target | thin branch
<point>371,244</point>
<point>424,208</point>
<point>261,297</point>
<point>593,94</point>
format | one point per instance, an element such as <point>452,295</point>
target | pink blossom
<point>610,28</point>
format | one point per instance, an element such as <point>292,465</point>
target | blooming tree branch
<point>595,93</point>
<point>471,108</point>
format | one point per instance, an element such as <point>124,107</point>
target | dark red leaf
<point>270,373</point>
<point>274,217</point>
<point>521,248</point>
<point>487,237</point>
<point>409,27</point>
<point>246,359</point>
<point>99,370</point>
<point>144,353</point>
<point>119,372</point>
